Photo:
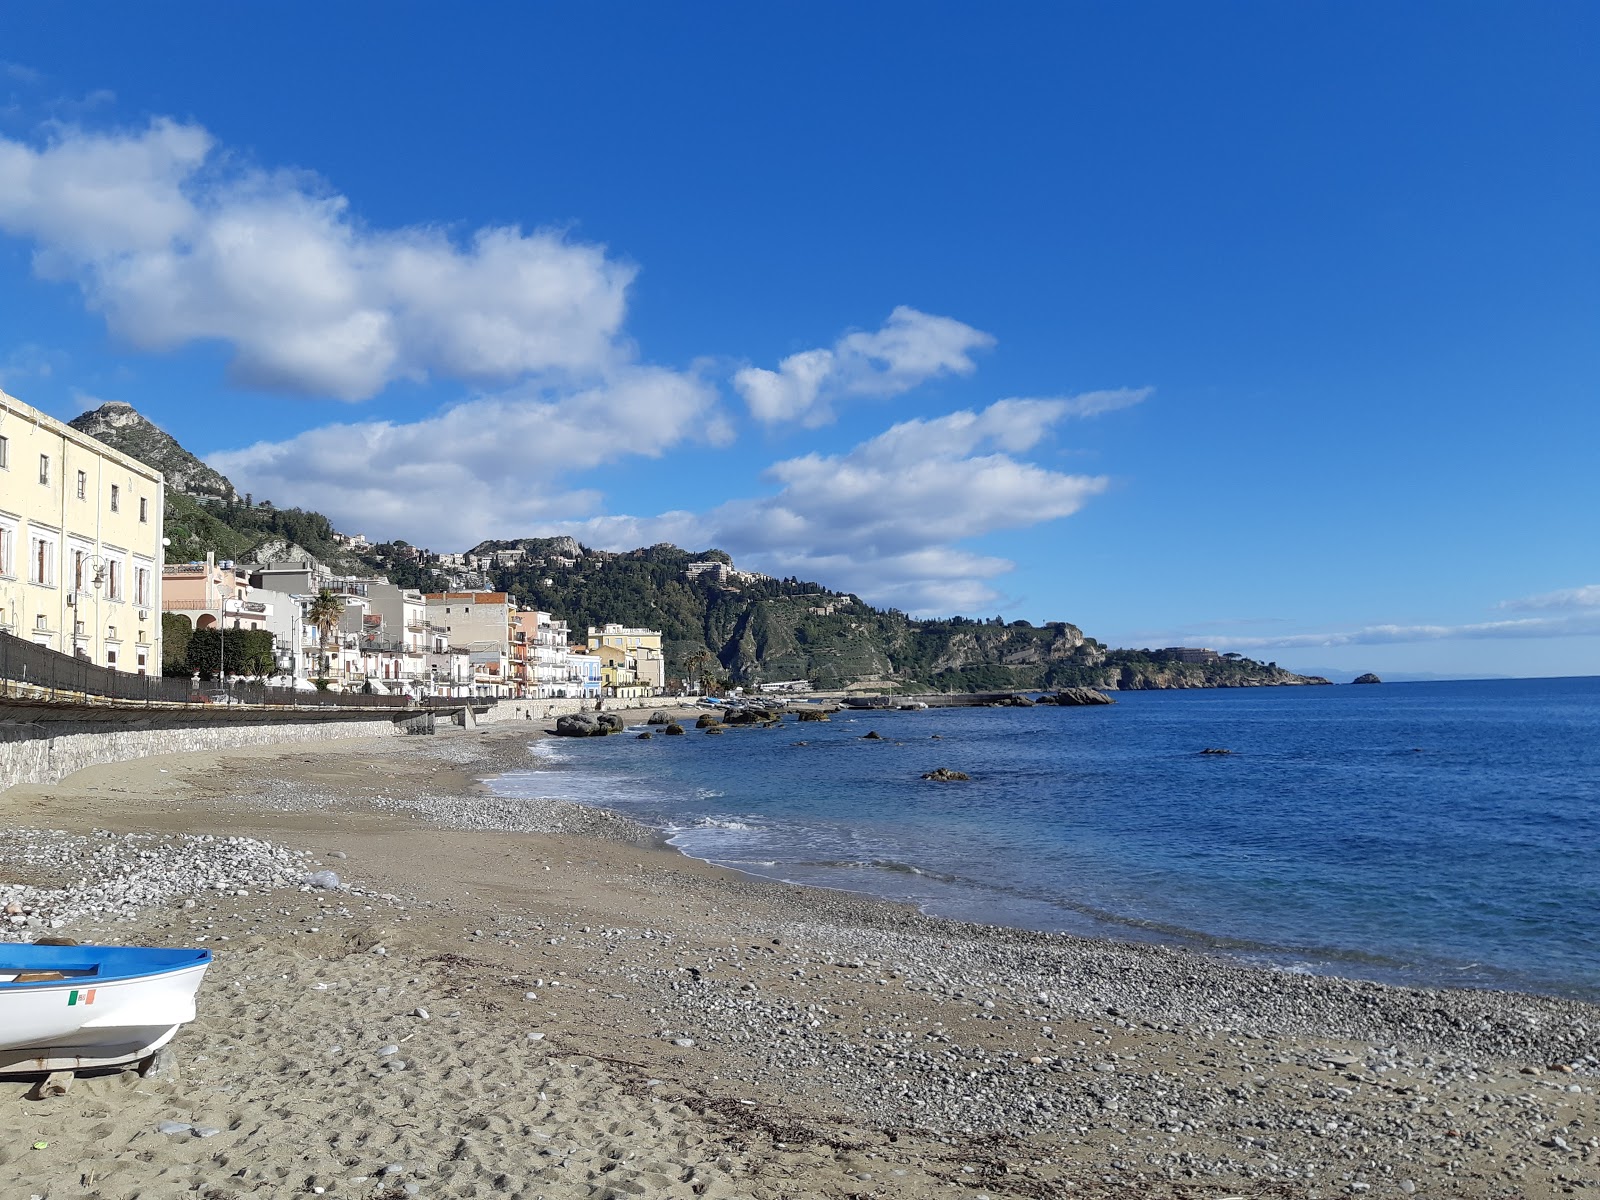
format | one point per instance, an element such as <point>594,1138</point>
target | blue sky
<point>1258,326</point>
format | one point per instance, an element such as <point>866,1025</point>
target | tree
<point>324,612</point>
<point>175,634</point>
<point>249,652</point>
<point>696,664</point>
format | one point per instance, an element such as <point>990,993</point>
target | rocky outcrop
<point>659,718</point>
<point>1076,696</point>
<point>122,428</point>
<point>1369,677</point>
<point>673,729</point>
<point>707,720</point>
<point>946,775</point>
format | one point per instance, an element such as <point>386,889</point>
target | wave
<point>718,823</point>
<point>882,864</point>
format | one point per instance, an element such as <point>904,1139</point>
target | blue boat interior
<point>21,966</point>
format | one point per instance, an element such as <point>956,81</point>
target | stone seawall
<point>50,758</point>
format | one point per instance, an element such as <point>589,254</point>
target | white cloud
<point>1567,598</point>
<point>885,519</point>
<point>174,244</point>
<point>491,467</point>
<point>911,347</point>
<point>1573,625</point>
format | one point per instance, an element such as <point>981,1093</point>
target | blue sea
<point>1424,833</point>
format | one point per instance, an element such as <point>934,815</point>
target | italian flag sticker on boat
<point>80,997</point>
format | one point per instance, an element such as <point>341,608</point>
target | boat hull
<point>80,1023</point>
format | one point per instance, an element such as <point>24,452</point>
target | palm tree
<point>696,663</point>
<point>324,612</point>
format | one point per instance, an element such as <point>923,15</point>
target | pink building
<point>204,593</point>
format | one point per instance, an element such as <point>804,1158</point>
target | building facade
<point>80,543</point>
<point>643,644</point>
<point>479,623</point>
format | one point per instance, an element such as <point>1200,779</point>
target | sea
<point>1428,834</point>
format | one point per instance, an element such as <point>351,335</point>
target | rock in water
<point>946,775</point>
<point>1369,677</point>
<point>659,718</point>
<point>673,729</point>
<point>872,735</point>
<point>1073,696</point>
<point>706,720</point>
<point>645,736</point>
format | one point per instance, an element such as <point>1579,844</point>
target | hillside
<point>754,628</point>
<point>761,629</point>
<point>204,511</point>
<point>120,426</point>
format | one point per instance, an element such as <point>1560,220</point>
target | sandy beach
<point>538,999</point>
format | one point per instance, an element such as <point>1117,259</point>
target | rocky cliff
<point>118,425</point>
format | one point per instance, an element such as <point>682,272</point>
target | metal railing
<point>35,672</point>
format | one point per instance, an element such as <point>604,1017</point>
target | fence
<point>39,672</point>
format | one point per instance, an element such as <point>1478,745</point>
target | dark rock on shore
<point>1369,677</point>
<point>946,775</point>
<point>659,718</point>
<point>812,714</point>
<point>588,724</point>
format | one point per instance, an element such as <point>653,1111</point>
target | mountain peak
<point>122,427</point>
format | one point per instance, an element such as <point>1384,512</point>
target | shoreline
<point>1352,963</point>
<point>829,1036</point>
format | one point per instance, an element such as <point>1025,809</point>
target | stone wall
<point>48,759</point>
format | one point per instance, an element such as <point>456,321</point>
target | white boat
<point>67,1008</point>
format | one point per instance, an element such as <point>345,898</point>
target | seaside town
<point>83,572</point>
<point>857,602</point>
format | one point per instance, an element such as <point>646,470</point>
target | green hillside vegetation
<point>236,528</point>
<point>767,630</point>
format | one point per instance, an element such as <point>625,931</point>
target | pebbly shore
<point>818,1041</point>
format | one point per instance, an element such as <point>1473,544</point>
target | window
<point>77,570</point>
<point>114,579</point>
<point>42,561</point>
<point>111,658</point>
<point>144,509</point>
<point>111,633</point>
<point>141,586</point>
<point>7,567</point>
<point>5,453</point>
<point>44,468</point>
<point>83,484</point>
<point>41,622</point>
<point>116,498</point>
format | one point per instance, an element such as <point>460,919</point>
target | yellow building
<point>80,543</point>
<point>643,644</point>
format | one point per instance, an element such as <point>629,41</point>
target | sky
<point>1270,328</point>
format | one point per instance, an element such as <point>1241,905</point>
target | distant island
<point>1369,677</point>
<point>757,629</point>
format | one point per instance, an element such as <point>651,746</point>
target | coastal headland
<point>537,998</point>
